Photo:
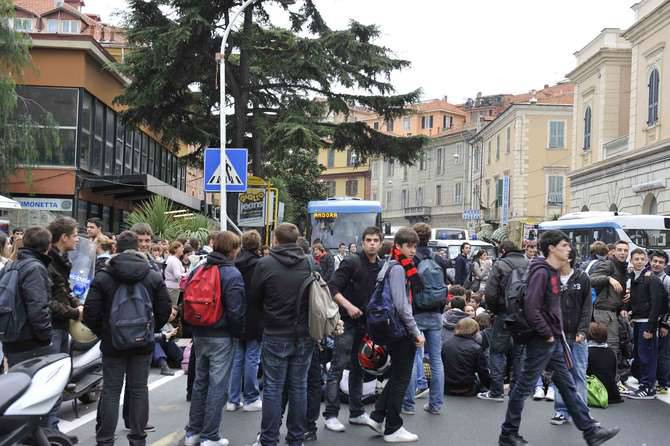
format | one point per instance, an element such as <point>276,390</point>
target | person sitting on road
<point>166,351</point>
<point>454,313</point>
<point>603,361</point>
<point>465,370</point>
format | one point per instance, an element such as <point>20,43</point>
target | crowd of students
<point>607,317</point>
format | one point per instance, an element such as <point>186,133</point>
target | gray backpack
<point>131,320</point>
<point>323,312</point>
<point>12,310</point>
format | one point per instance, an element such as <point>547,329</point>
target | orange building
<point>102,167</point>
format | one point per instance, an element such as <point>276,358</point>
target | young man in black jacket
<point>647,302</point>
<point>502,345</point>
<point>63,305</point>
<point>34,290</point>
<point>545,349</point>
<point>351,286</point>
<point>576,310</point>
<point>127,268</point>
<point>461,264</point>
<point>287,346</point>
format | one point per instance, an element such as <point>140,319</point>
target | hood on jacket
<point>216,258</point>
<point>246,260</point>
<point>288,254</point>
<point>28,253</point>
<point>129,266</point>
<point>451,317</point>
<point>539,263</point>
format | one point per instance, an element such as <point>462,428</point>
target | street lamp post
<point>222,105</point>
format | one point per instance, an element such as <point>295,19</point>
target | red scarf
<point>411,274</point>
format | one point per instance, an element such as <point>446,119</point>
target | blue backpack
<point>383,322</point>
<point>434,291</point>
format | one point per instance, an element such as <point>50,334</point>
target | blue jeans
<point>286,360</point>
<point>663,372</point>
<point>541,355</point>
<point>645,354</point>
<point>245,368</point>
<point>580,361</point>
<point>434,348</point>
<point>214,358</point>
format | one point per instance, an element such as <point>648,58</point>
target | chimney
<point>546,86</point>
<point>445,98</point>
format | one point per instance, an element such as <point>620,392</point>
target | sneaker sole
<point>558,423</point>
<point>342,429</point>
<point>634,397</point>
<point>495,400</point>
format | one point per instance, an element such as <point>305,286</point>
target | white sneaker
<point>219,442</point>
<point>233,407</point>
<point>365,420</point>
<point>333,424</point>
<point>402,435</point>
<point>256,406</point>
<point>191,439</point>
<point>551,394</point>
<point>539,394</point>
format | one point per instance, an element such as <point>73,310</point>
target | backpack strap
<point>303,288</point>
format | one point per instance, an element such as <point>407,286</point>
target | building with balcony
<point>520,163</point>
<point>622,138</point>
<point>102,167</point>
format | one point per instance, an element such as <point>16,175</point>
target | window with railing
<point>427,122</point>
<point>555,190</point>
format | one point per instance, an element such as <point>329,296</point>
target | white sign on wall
<point>45,204</point>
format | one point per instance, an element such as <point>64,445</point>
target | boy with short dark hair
<point>403,281</point>
<point>545,350</point>
<point>647,301</point>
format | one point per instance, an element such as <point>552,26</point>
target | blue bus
<point>341,220</point>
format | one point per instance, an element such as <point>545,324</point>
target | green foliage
<point>165,225</point>
<point>271,71</point>
<point>23,139</point>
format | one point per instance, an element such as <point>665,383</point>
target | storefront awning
<point>499,234</point>
<point>8,203</point>
<point>138,187</point>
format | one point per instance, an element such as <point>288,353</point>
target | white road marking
<point>69,426</point>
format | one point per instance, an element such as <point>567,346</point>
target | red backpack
<point>203,303</point>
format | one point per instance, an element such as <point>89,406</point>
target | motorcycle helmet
<point>373,358</point>
<point>81,333</point>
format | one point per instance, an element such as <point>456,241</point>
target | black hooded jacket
<point>246,263</point>
<point>129,267</point>
<point>34,290</point>
<point>576,304</point>
<point>495,285</point>
<point>542,305</point>
<point>276,282</point>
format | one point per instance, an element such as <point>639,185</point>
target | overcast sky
<point>458,48</point>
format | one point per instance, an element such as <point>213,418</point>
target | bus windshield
<point>343,228</point>
<point>650,238</point>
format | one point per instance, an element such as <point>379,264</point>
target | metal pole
<point>222,113</point>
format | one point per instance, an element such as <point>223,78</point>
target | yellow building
<point>621,151</point>
<point>530,144</point>
<point>343,176</point>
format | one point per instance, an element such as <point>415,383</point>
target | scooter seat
<point>12,386</point>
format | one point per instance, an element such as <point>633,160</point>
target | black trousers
<point>389,403</point>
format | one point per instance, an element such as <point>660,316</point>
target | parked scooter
<point>86,381</point>
<point>27,393</point>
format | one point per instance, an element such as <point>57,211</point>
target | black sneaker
<point>310,436</point>
<point>488,396</point>
<point>601,435</point>
<point>642,394</point>
<point>558,419</point>
<point>511,440</point>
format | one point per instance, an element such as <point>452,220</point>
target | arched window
<point>650,205</point>
<point>654,80</point>
<point>587,129</point>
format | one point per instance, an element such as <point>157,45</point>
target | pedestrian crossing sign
<point>235,171</point>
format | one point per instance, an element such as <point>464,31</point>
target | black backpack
<point>12,310</point>
<point>131,319</point>
<point>515,294</point>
